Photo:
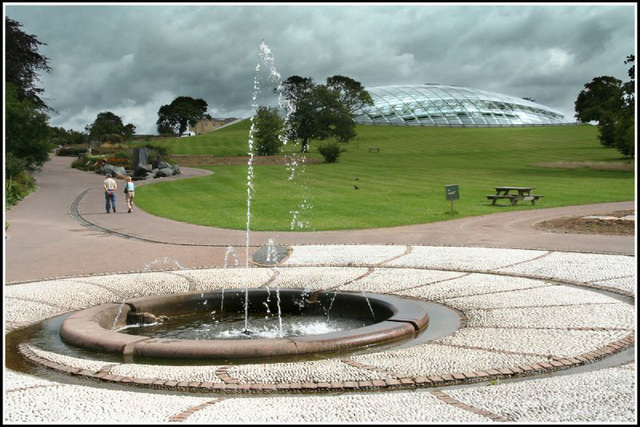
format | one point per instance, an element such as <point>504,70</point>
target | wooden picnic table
<point>514,194</point>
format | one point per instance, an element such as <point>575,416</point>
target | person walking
<point>129,191</point>
<point>110,187</point>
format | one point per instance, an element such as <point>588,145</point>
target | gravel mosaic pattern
<point>485,259</point>
<point>615,315</point>
<point>557,342</point>
<point>550,296</point>
<point>355,409</point>
<point>584,268</point>
<point>473,284</point>
<point>226,278</point>
<point>603,396</point>
<point>515,316</point>
<point>330,370</point>
<point>627,284</point>
<point>57,403</point>
<point>343,254</point>
<point>434,359</point>
<point>314,278</point>
<point>393,280</point>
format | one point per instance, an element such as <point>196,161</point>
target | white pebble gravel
<point>603,396</point>
<point>135,285</point>
<point>616,315</point>
<point>315,277</point>
<point>75,362</point>
<point>58,403</point>
<point>626,284</point>
<point>541,296</point>
<point>481,259</point>
<point>555,342</point>
<point>384,408</point>
<point>576,267</point>
<point>391,280</point>
<point>435,359</point>
<point>227,278</point>
<point>205,373</point>
<point>473,284</point>
<point>318,371</point>
<point>343,254</point>
<point>72,294</point>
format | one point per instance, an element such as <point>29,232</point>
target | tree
<point>183,111</point>
<point>611,103</point>
<point>26,130</point>
<point>22,63</point>
<point>268,129</point>
<point>601,96</point>
<point>323,111</point>
<point>109,127</point>
<point>61,136</point>
<point>351,94</point>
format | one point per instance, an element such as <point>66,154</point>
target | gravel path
<point>532,303</point>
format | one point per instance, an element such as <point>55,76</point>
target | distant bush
<point>74,150</point>
<point>330,151</point>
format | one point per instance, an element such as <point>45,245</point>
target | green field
<point>402,184</point>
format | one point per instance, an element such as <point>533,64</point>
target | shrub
<point>330,151</point>
<point>18,187</point>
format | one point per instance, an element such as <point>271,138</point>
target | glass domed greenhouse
<point>441,105</point>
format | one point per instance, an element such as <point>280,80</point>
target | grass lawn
<point>402,184</point>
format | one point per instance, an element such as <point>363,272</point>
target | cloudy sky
<point>132,59</point>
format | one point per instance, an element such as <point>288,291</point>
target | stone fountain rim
<point>86,329</point>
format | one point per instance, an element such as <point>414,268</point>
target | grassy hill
<point>402,184</point>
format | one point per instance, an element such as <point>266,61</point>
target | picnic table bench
<point>374,149</point>
<point>514,195</point>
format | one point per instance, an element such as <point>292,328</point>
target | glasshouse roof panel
<point>441,105</point>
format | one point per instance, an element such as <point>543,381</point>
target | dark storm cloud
<point>132,59</point>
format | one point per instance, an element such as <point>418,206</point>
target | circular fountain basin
<point>392,319</point>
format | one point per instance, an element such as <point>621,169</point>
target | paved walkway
<point>525,311</point>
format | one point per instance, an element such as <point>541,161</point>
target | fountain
<point>396,319</point>
<point>293,324</point>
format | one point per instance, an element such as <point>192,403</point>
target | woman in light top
<point>129,189</point>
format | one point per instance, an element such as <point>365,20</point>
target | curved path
<point>46,238</point>
<point>556,303</point>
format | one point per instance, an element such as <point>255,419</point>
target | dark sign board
<point>451,192</point>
